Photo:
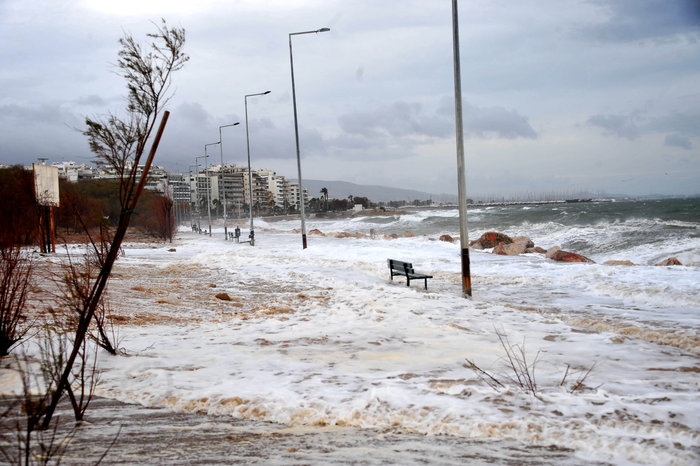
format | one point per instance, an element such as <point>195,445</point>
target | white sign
<point>46,184</point>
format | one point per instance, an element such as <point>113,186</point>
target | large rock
<point>670,261</point>
<point>316,232</point>
<point>346,234</point>
<point>512,249</point>
<point>536,249</point>
<point>551,251</point>
<point>491,239</point>
<point>619,262</point>
<point>565,256</point>
<point>447,238</point>
<point>525,240</point>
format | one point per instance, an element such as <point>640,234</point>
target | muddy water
<point>144,435</point>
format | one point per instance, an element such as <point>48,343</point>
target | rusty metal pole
<point>461,182</point>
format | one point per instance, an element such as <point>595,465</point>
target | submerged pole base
<point>466,274</point>
<point>303,240</point>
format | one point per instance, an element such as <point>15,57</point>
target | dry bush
<point>24,441</point>
<point>15,281</point>
<point>520,370</point>
<point>75,287</point>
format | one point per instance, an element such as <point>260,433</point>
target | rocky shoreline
<point>504,245</point>
<point>499,243</point>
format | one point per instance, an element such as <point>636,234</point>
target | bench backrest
<point>405,267</point>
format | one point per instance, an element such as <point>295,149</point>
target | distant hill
<point>343,189</point>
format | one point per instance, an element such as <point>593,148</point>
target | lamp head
<point>324,30</point>
<point>266,92</point>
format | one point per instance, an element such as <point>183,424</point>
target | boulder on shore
<point>510,249</point>
<point>525,240</point>
<point>549,253</point>
<point>491,239</point>
<point>345,234</point>
<point>565,256</point>
<point>536,249</point>
<point>670,261</point>
<point>619,262</point>
<point>447,238</point>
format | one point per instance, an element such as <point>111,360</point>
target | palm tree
<point>324,192</point>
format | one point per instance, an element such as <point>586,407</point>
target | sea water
<point>322,338</point>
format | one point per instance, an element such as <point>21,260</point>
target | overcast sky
<point>558,95</point>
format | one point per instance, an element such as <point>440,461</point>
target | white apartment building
<point>217,183</point>
<point>73,172</point>
<point>294,196</point>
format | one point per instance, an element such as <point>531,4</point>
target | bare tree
<point>120,144</point>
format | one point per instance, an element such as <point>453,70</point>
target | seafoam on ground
<point>320,341</point>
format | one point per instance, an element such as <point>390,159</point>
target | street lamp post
<point>206,174</point>
<point>250,174</point>
<point>223,183</point>
<point>461,178</point>
<point>296,133</point>
<point>206,184</point>
<point>189,189</point>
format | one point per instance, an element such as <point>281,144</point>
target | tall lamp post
<point>250,174</point>
<point>461,179</point>
<point>223,183</point>
<point>206,171</point>
<point>189,183</point>
<point>206,185</point>
<point>296,133</point>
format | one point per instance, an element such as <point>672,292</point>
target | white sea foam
<point>322,337</point>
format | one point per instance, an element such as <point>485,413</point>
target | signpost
<point>47,197</point>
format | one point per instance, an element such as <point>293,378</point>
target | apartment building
<point>294,196</point>
<point>229,183</point>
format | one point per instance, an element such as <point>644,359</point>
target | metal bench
<point>406,269</point>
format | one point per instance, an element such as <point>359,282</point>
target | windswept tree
<point>119,143</point>
<point>324,193</point>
